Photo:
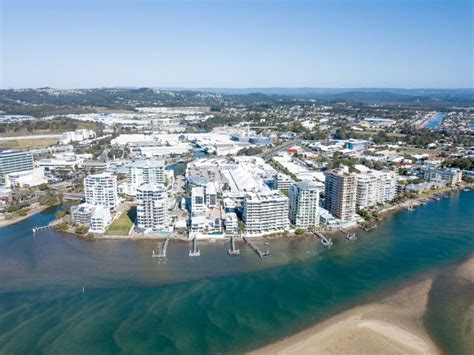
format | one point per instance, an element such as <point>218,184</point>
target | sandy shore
<point>392,325</point>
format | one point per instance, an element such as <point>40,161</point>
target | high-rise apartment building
<point>145,172</point>
<point>265,212</point>
<point>304,204</point>
<point>374,186</point>
<point>101,190</point>
<point>152,211</point>
<point>340,193</point>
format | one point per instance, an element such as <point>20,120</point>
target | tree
<point>82,230</point>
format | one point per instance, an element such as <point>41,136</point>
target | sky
<point>236,43</point>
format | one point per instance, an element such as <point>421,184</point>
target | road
<point>275,150</point>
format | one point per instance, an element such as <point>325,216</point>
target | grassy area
<point>122,225</point>
<point>25,143</point>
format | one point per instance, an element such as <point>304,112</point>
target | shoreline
<point>35,210</point>
<point>391,324</point>
<point>393,321</point>
<point>333,233</point>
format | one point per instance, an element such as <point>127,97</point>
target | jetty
<point>162,252</point>
<point>324,241</point>
<point>232,251</point>
<point>368,227</point>
<point>40,228</point>
<point>257,250</point>
<point>351,236</point>
<point>194,251</point>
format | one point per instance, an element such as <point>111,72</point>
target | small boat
<point>154,255</point>
<point>410,208</point>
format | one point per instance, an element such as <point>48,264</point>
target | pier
<point>194,251</point>
<point>260,253</point>
<point>38,229</point>
<point>232,251</point>
<point>162,252</point>
<point>324,241</point>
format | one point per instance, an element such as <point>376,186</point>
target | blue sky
<point>240,43</point>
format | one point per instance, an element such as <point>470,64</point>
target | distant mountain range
<point>363,94</point>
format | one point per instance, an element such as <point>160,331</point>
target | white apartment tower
<point>152,207</point>
<point>340,193</point>
<point>374,186</point>
<point>304,204</point>
<point>265,212</point>
<point>101,190</point>
<point>145,172</point>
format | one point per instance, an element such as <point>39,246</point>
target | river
<point>214,303</point>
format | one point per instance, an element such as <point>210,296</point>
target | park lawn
<point>122,225</point>
<point>25,143</point>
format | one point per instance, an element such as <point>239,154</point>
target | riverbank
<point>32,212</point>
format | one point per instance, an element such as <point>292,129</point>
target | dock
<point>232,251</point>
<point>351,236</point>
<point>257,250</point>
<point>324,241</point>
<point>40,228</point>
<point>194,251</point>
<point>162,252</point>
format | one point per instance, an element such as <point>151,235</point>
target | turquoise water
<point>210,304</point>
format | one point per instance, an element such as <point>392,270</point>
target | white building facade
<point>265,212</point>
<point>152,207</point>
<point>304,204</point>
<point>101,189</point>
<point>145,172</point>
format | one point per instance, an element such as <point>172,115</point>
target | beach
<point>392,325</point>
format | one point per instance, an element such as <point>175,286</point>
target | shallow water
<point>214,303</point>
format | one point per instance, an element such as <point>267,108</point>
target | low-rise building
<point>231,224</point>
<point>100,219</point>
<point>450,177</point>
<point>29,178</point>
